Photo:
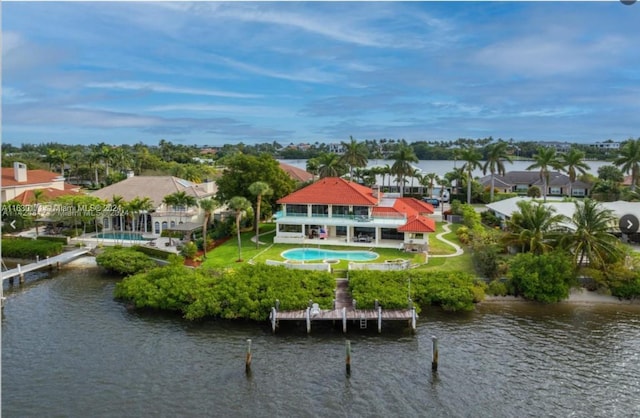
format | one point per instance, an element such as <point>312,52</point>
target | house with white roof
<point>340,212</point>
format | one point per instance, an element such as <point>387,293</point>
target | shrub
<point>124,260</point>
<point>29,248</point>
<point>189,250</point>
<point>543,278</point>
<point>497,288</point>
<point>54,238</point>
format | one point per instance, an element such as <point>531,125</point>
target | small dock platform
<point>51,262</point>
<point>345,310</point>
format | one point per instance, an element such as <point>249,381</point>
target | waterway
<point>70,350</point>
<point>441,167</point>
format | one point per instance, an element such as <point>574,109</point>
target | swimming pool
<point>131,236</point>
<point>312,254</point>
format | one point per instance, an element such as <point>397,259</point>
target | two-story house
<point>339,212</point>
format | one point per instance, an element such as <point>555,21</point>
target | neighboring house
<point>298,174</point>
<point>156,188</point>
<point>505,209</point>
<point>521,181</point>
<point>18,183</point>
<point>339,212</point>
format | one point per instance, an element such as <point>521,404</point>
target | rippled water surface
<point>69,349</point>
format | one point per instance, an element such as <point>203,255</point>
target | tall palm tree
<point>496,155</point>
<point>38,195</point>
<point>329,165</point>
<point>573,163</point>
<point>119,203</point>
<point>259,189</point>
<point>403,157</point>
<point>208,206</point>
<point>545,160</point>
<point>535,227</point>
<point>629,160</point>
<point>429,180</point>
<point>239,204</point>
<point>355,155</point>
<point>591,239</point>
<point>471,158</point>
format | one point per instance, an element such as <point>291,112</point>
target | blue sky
<point>210,73</point>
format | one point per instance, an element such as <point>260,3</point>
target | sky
<point>213,73</point>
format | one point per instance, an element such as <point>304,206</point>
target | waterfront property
<point>339,212</point>
<point>18,184</point>
<point>162,217</point>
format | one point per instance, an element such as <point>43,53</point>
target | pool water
<point>131,236</point>
<point>313,254</point>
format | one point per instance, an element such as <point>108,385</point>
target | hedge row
<point>29,248</point>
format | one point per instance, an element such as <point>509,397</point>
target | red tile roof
<point>332,191</point>
<point>409,204</point>
<point>418,224</point>
<point>33,177</point>
<point>26,198</point>
<point>296,173</point>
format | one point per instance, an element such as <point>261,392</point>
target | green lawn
<point>226,255</point>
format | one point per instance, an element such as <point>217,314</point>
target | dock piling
<point>247,362</point>
<point>379,319</point>
<point>348,360</point>
<point>308,320</point>
<point>434,360</point>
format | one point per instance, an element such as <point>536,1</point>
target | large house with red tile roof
<point>18,184</point>
<point>339,212</point>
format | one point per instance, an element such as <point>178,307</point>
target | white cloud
<point>163,88</point>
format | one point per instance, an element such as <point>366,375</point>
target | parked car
<point>433,201</point>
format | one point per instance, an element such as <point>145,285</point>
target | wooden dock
<point>344,309</point>
<point>50,262</point>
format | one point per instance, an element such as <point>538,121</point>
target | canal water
<point>70,350</point>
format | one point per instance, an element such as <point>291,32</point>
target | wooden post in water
<point>49,263</point>
<point>274,314</point>
<point>413,319</point>
<point>247,362</point>
<point>20,273</point>
<point>434,360</point>
<point>348,360</point>
<point>344,320</point>
<point>308,320</point>
<point>379,318</point>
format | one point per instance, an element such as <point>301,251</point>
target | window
<point>339,211</point>
<point>156,227</point>
<point>290,228</point>
<point>361,210</point>
<point>319,210</point>
<point>296,210</point>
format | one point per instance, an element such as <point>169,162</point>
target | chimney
<point>20,172</point>
<point>377,193</point>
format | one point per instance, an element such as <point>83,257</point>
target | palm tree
<point>629,159</point>
<point>180,201</point>
<point>37,198</point>
<point>329,165</point>
<point>573,163</point>
<point>415,174</point>
<point>535,227</point>
<point>355,155</point>
<point>403,157</point>
<point>591,240</point>
<point>471,158</point>
<point>259,189</point>
<point>119,203</point>
<point>142,206</point>
<point>208,206</point>
<point>430,179</point>
<point>496,154</point>
<point>239,204</point>
<point>545,160</point>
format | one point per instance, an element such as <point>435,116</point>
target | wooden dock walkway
<point>344,310</point>
<point>41,263</point>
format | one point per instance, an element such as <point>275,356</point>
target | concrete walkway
<point>440,236</point>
